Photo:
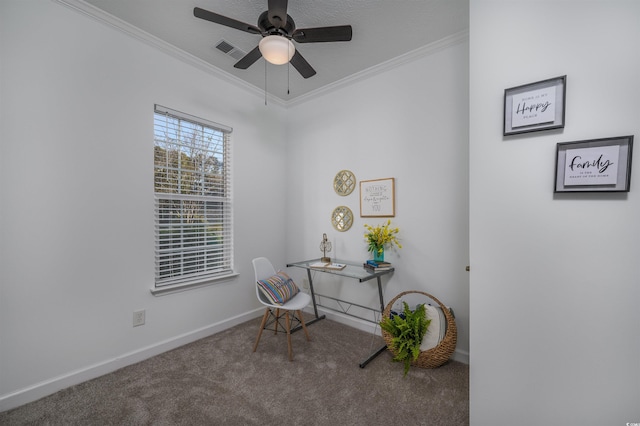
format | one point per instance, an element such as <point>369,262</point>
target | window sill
<point>177,288</point>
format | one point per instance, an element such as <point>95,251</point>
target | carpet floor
<point>218,380</point>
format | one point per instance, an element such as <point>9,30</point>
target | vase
<point>378,255</point>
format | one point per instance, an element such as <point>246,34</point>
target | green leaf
<point>407,333</point>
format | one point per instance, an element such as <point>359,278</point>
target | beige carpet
<point>220,381</point>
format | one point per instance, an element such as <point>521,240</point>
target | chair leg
<point>277,321</point>
<point>304,327</point>
<point>262,324</point>
<point>288,324</point>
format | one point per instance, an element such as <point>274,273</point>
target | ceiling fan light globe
<point>277,50</point>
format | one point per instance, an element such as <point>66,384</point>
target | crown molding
<point>429,49</point>
<point>155,42</point>
<point>105,18</point>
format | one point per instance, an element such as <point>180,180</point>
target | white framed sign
<point>535,106</point>
<point>377,198</point>
<point>591,166</point>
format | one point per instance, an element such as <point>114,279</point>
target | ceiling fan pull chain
<point>288,68</point>
<point>265,83</point>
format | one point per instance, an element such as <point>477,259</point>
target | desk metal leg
<point>352,274</point>
<point>315,306</point>
<point>380,294</point>
<point>382,349</point>
<point>364,363</point>
<point>313,294</point>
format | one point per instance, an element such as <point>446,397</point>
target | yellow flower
<point>381,235</point>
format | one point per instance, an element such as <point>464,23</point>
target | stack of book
<point>372,265</point>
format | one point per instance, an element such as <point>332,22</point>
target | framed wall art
<point>377,198</point>
<point>534,107</point>
<point>596,165</point>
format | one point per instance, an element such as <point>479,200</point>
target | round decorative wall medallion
<point>344,183</point>
<point>342,218</point>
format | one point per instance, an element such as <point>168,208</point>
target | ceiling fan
<point>276,27</point>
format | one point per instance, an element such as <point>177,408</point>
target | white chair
<point>264,269</point>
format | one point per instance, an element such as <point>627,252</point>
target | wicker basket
<point>437,355</point>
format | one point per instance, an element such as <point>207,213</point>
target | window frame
<point>196,249</point>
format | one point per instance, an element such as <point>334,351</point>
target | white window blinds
<point>193,205</point>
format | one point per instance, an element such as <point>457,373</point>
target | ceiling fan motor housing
<point>269,28</point>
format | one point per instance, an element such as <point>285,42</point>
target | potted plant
<point>379,236</point>
<point>407,330</point>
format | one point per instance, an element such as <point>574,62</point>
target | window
<point>193,206</point>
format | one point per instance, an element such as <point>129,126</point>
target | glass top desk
<point>352,270</point>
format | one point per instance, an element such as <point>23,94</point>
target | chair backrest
<point>262,269</point>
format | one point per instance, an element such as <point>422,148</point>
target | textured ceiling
<point>382,31</point>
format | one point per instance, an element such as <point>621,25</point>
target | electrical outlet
<point>138,318</point>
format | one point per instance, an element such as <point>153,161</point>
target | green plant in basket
<point>407,331</point>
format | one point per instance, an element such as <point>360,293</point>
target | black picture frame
<point>594,165</point>
<point>535,106</point>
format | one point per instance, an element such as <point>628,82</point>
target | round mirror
<point>342,218</point>
<point>344,183</point>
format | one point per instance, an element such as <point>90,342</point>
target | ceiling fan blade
<point>323,34</point>
<point>248,59</point>
<point>278,13</point>
<point>302,65</point>
<point>223,20</point>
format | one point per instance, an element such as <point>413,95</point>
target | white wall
<point>554,281</point>
<point>76,246</point>
<point>554,278</point>
<point>76,228</point>
<point>409,123</point>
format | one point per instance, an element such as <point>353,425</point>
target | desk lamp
<point>325,246</point>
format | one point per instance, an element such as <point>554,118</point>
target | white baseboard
<point>461,356</point>
<point>360,324</point>
<point>48,387</point>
